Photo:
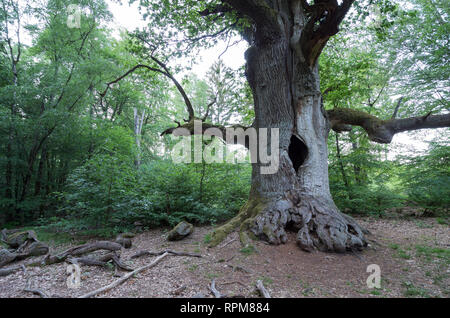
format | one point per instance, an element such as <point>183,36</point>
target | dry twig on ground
<point>124,278</point>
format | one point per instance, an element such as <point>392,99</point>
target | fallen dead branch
<point>124,278</point>
<point>12,270</point>
<point>80,250</point>
<point>35,291</point>
<point>101,261</point>
<point>231,258</point>
<point>117,273</point>
<point>22,244</point>
<point>175,253</point>
<point>213,289</point>
<point>227,243</point>
<point>86,261</point>
<point>262,290</point>
<point>120,264</point>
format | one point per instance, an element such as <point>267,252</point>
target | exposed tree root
<point>322,226</point>
<point>87,261</point>
<point>28,245</point>
<point>239,268</point>
<point>234,282</point>
<point>248,212</point>
<point>227,243</point>
<point>318,223</point>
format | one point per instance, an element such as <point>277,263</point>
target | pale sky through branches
<point>128,17</point>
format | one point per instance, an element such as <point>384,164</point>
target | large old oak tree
<point>286,38</point>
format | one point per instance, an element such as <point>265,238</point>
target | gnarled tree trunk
<point>287,96</point>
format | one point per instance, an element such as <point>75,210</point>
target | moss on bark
<point>242,220</point>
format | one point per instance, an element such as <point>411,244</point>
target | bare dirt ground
<point>413,256</point>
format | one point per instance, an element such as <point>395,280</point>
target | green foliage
<point>97,190</point>
<point>430,253</point>
<point>427,178</point>
<point>175,194</point>
<point>207,239</point>
<point>107,191</point>
<point>370,200</point>
<point>248,250</point>
<point>414,291</point>
<point>366,75</point>
<point>360,182</point>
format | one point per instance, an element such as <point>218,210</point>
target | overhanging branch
<point>382,131</point>
<point>165,72</point>
<point>189,130</point>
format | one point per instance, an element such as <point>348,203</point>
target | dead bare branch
<point>379,130</point>
<point>80,250</point>
<point>9,270</point>
<point>36,291</point>
<point>213,289</point>
<point>174,253</point>
<point>262,290</point>
<point>124,278</point>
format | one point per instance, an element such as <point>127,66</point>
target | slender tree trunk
<point>8,183</point>
<point>356,167</point>
<point>48,184</point>
<point>40,174</point>
<point>138,123</point>
<point>341,166</point>
<point>39,180</point>
<point>297,196</point>
<point>202,178</point>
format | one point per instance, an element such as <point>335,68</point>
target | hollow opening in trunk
<point>298,152</point>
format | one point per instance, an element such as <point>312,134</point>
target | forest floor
<point>413,255</point>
